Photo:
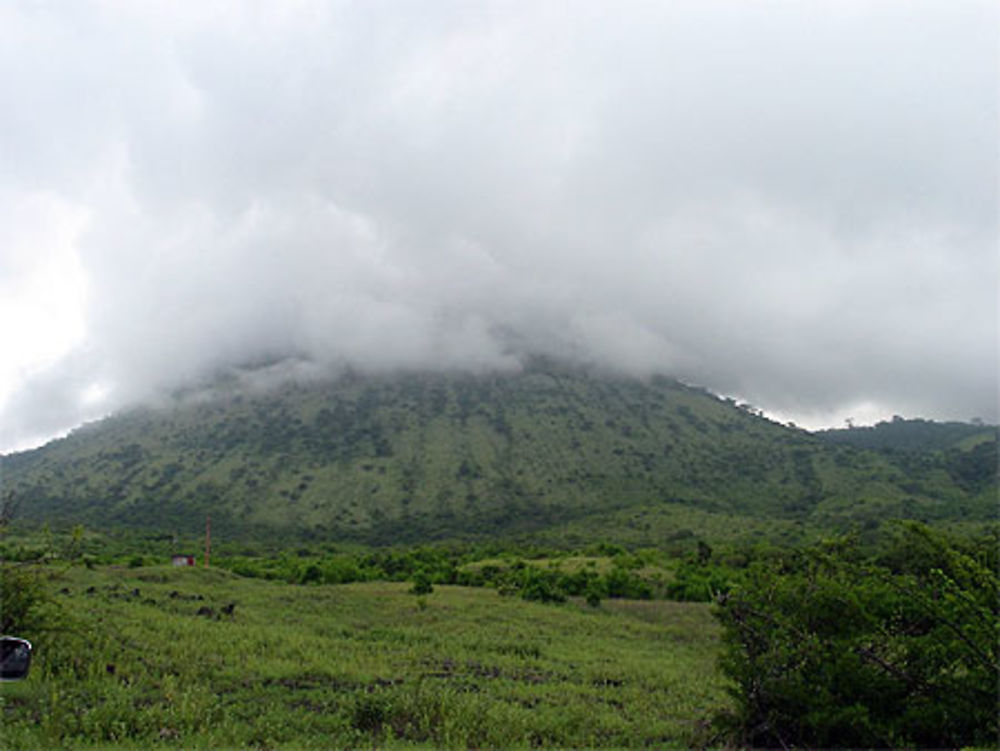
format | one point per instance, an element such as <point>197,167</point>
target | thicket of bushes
<point>894,647</point>
<point>513,575</point>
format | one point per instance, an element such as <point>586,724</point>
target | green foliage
<point>554,454</point>
<point>311,574</point>
<point>699,583</point>
<point>541,586</point>
<point>421,584</point>
<point>622,577</point>
<point>866,641</point>
<point>620,582</point>
<point>29,609</point>
<point>24,600</point>
<point>975,469</point>
<point>357,666</point>
<point>831,647</point>
<point>593,596</point>
<point>911,435</point>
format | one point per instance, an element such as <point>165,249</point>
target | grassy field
<point>150,656</point>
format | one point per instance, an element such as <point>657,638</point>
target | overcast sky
<point>790,202</point>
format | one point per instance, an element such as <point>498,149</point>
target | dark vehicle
<point>15,658</point>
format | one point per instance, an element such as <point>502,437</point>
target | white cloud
<point>793,202</point>
<point>42,285</point>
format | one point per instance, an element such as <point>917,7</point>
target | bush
<point>421,584</point>
<point>541,586</point>
<point>311,574</point>
<point>831,648</point>
<point>697,584</point>
<point>620,582</point>
<point>61,644</point>
<point>24,601</point>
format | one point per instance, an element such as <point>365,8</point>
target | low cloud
<point>793,204</point>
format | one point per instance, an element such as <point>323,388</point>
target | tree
<point>831,648</point>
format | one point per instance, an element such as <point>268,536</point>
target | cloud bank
<point>793,203</point>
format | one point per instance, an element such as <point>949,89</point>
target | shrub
<point>421,584</point>
<point>830,648</point>
<point>24,601</point>
<point>697,584</point>
<point>541,586</point>
<point>620,582</point>
<point>311,574</point>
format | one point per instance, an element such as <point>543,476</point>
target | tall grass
<point>195,658</point>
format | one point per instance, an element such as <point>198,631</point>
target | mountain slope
<point>420,456</point>
<point>913,435</point>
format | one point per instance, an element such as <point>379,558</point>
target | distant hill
<point>914,435</point>
<point>553,451</point>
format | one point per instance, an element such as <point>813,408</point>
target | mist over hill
<point>552,450</point>
<point>699,188</point>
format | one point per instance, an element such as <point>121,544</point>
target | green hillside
<point>553,451</point>
<point>914,435</point>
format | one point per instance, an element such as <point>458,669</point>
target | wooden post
<point>208,538</point>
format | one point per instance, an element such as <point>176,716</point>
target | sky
<point>793,203</point>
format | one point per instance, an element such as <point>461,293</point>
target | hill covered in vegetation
<point>553,451</point>
<point>900,434</point>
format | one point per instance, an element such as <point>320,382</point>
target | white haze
<point>795,203</point>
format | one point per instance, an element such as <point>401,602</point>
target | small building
<point>182,560</point>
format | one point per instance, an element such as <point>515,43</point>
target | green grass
<point>358,665</point>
